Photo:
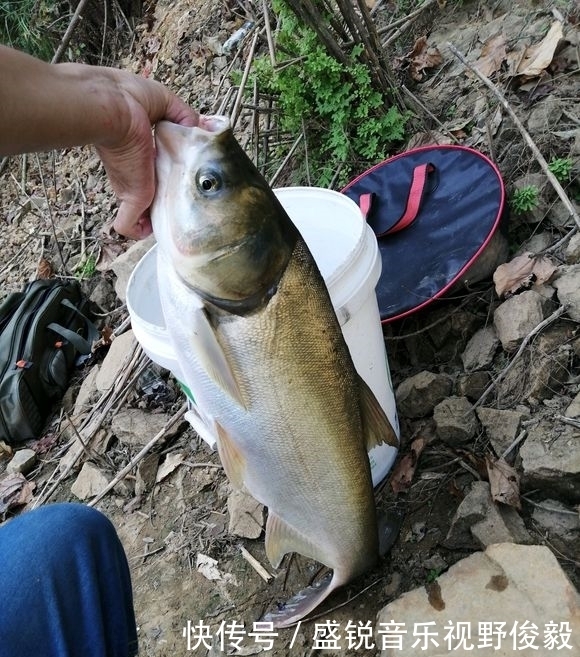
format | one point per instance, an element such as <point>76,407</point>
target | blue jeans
<point>65,588</point>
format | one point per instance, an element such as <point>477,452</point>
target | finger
<point>131,221</point>
<point>179,112</point>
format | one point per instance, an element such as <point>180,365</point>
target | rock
<point>114,361</point>
<point>246,515</point>
<point>455,420</point>
<point>551,460</point>
<point>480,350</point>
<point>418,395</point>
<point>507,584</point>
<point>134,426</point>
<point>545,115</point>
<point>517,316</point>
<point>572,252</point>
<point>23,461</point>
<point>87,392</point>
<point>146,474</point>
<point>90,482</point>
<point>473,384</point>
<point>480,521</point>
<point>536,244</point>
<point>124,264</point>
<point>573,409</point>
<point>557,519</point>
<point>103,295</point>
<point>501,427</point>
<point>567,285</point>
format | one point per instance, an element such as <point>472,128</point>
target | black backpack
<point>43,330</point>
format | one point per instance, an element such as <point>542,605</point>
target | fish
<point>263,354</point>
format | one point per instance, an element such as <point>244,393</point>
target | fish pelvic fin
<point>376,425</point>
<point>211,356</point>
<point>282,538</point>
<point>231,457</point>
<point>301,604</point>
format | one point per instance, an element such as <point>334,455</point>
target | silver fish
<point>262,351</point>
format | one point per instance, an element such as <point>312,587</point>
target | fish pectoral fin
<point>211,356</point>
<point>282,538</point>
<point>302,603</point>
<point>231,457</point>
<point>376,425</point>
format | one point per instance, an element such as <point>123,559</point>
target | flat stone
<point>87,392</point>
<point>550,460</point>
<point>103,295</point>
<point>537,243</point>
<point>515,318</point>
<point>124,264</point>
<point>480,522</point>
<point>134,426</point>
<point>501,427</point>
<point>480,350</point>
<point>508,584</point>
<point>455,420</point>
<point>114,361</point>
<point>572,253</point>
<point>23,461</point>
<point>567,285</point>
<point>246,515</point>
<point>573,409</point>
<point>89,482</point>
<point>418,395</point>
<point>557,519</point>
<point>146,474</point>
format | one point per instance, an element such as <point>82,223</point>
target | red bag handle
<point>414,200</point>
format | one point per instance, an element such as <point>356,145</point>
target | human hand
<point>129,155</point>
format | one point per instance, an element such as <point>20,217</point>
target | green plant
<point>24,24</point>
<point>432,575</point>
<point>561,168</point>
<point>525,199</point>
<point>344,115</point>
<point>86,268</point>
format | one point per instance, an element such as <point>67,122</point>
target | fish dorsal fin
<point>281,538</point>
<point>211,356</point>
<point>232,459</point>
<point>376,425</point>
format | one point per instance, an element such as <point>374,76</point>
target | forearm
<point>44,106</point>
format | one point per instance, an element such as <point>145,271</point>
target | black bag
<point>42,332</point>
<point>436,212</point>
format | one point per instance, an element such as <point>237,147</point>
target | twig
<point>50,217</point>
<point>133,462</point>
<point>429,113</point>
<point>573,422</point>
<point>273,179</point>
<point>69,31</point>
<point>403,19</point>
<point>525,134</point>
<point>540,327</point>
<point>271,49</point>
<point>515,443</point>
<point>256,565</point>
<point>238,102</point>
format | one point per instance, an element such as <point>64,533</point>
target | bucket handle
<point>415,198</point>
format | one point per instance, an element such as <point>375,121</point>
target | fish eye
<point>208,181</point>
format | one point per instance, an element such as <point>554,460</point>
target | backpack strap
<point>82,345</point>
<point>414,199</point>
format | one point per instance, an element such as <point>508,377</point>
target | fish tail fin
<point>305,601</point>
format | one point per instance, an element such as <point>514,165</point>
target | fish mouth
<point>172,138</point>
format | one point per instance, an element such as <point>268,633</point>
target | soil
<point>66,196</point>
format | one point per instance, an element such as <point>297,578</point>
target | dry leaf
<point>5,451</point>
<point>15,490</point>
<point>44,269</point>
<point>521,273</point>
<point>504,482</point>
<point>405,469</point>
<point>537,58</point>
<point>171,463</point>
<point>420,58</point>
<point>493,55</point>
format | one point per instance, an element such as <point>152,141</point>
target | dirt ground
<point>186,515</point>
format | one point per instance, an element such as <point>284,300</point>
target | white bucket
<point>346,251</point>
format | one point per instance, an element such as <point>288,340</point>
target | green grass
<point>24,24</point>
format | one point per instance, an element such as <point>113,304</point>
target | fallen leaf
<point>44,269</point>
<point>537,58</point>
<point>493,55</point>
<point>504,482</point>
<point>207,567</point>
<point>403,473</point>
<point>434,595</point>
<point>105,339</point>
<point>109,251</point>
<point>5,451</point>
<point>171,463</point>
<point>420,58</point>
<point>15,490</point>
<point>521,273</point>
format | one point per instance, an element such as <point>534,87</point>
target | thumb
<point>133,220</point>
